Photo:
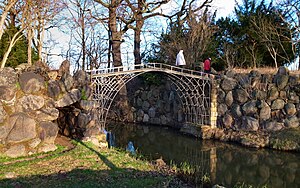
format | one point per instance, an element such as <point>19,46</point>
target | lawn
<point>85,165</point>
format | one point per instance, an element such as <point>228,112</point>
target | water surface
<point>225,164</point>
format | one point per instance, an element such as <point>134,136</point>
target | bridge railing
<point>140,67</point>
<point>175,69</point>
<point>116,69</point>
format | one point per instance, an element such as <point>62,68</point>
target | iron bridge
<point>194,89</point>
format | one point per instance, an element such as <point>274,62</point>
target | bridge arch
<point>193,88</point>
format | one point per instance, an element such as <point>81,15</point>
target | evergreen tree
<point>256,37</point>
<point>18,54</point>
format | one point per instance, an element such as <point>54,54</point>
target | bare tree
<point>191,30</point>
<point>140,11</point>
<point>18,12</point>
<point>79,11</point>
<point>275,37</point>
<point>291,15</point>
<point>116,29</point>
<point>44,13</point>
<point>30,17</point>
<point>5,7</point>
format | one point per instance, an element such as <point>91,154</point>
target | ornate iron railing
<point>193,88</point>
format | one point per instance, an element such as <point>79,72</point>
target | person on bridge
<point>206,66</point>
<point>180,61</point>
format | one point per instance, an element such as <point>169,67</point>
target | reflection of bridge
<point>195,89</point>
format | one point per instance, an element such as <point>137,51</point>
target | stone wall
<point>151,104</point>
<point>33,106</point>
<point>255,101</point>
<point>250,107</point>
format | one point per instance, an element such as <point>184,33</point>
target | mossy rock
<point>288,139</point>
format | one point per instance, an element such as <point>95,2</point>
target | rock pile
<point>33,101</point>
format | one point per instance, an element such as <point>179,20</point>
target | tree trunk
<point>13,41</point>
<point>4,15</point>
<point>137,47</point>
<point>40,41</point>
<point>115,35</point>
<point>83,39</point>
<point>29,49</point>
<point>137,33</point>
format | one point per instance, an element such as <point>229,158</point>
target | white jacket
<point>180,58</point>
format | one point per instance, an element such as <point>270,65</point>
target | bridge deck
<point>106,72</point>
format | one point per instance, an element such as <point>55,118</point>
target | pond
<point>225,164</point>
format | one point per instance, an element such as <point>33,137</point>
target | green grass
<point>287,139</point>
<point>84,166</point>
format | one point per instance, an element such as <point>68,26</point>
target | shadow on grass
<point>90,178</point>
<point>103,158</point>
<point>83,177</point>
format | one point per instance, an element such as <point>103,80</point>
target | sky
<point>224,8</point>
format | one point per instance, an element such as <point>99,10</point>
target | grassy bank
<point>83,166</point>
<point>287,139</point>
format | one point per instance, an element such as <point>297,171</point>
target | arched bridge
<point>196,89</point>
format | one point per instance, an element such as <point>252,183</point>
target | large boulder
<point>273,126</point>
<point>83,120</point>
<point>265,113</point>
<point>227,120</point>
<point>244,81</point>
<point>259,95</point>
<point>277,104</point>
<point>229,98</point>
<point>290,109</point>
<point>54,89</point>
<point>68,98</point>
<point>152,112</point>
<point>66,82</point>
<point>273,93</point>
<point>228,84</point>
<point>293,97</point>
<point>236,111</point>
<point>64,68</point>
<point>221,96</point>
<point>145,106</point>
<point>240,95</point>
<point>4,131</point>
<point>222,108</point>
<point>8,76</point>
<point>7,93</point>
<point>249,124</point>
<point>3,114</point>
<point>16,151</point>
<point>30,103</point>
<point>46,114</point>
<point>281,81</point>
<point>31,82</point>
<point>230,73</point>
<point>81,78</point>
<point>249,108</point>
<point>140,115</point>
<point>146,118</point>
<point>22,128</point>
<point>48,132</point>
<point>88,105</point>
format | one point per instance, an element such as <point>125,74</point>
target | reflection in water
<point>226,164</point>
